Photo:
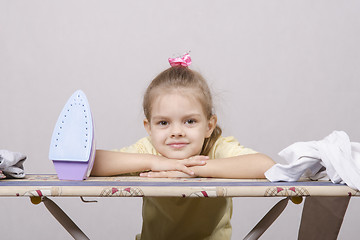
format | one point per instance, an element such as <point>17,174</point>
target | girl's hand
<point>166,174</point>
<point>165,164</point>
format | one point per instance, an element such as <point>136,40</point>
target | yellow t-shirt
<point>188,218</point>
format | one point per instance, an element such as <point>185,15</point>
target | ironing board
<point>39,187</point>
<point>128,186</point>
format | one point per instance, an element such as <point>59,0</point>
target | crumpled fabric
<point>11,164</point>
<point>334,157</point>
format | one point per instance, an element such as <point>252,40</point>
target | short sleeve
<point>226,147</point>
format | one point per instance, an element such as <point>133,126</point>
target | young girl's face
<point>178,125</point>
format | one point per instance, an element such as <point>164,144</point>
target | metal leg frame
<point>64,219</point>
<point>267,220</point>
<point>322,218</point>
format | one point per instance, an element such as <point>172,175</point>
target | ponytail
<point>210,141</point>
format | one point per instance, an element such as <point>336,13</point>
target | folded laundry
<point>11,164</point>
<point>334,156</point>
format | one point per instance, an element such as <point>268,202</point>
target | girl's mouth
<point>177,145</point>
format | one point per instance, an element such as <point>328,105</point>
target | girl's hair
<point>179,77</point>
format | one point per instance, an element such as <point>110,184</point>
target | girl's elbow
<point>99,167</point>
<point>266,164</point>
<point>268,161</point>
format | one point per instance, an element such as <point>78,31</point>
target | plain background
<point>281,72</point>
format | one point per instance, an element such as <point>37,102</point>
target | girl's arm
<point>243,166</point>
<point>109,163</point>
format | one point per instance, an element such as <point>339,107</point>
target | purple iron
<point>72,147</point>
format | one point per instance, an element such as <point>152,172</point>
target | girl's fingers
<point>185,169</point>
<point>200,157</point>
<point>165,174</point>
<point>183,165</point>
<point>162,174</point>
<point>144,174</point>
<point>195,161</point>
<point>178,165</point>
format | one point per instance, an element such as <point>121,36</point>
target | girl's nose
<point>177,131</point>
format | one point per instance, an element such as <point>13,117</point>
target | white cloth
<point>334,156</point>
<point>11,164</point>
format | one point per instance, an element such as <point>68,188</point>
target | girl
<point>184,141</point>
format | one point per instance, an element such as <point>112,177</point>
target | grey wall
<point>281,72</point>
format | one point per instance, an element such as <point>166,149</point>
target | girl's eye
<point>163,123</point>
<point>190,121</point>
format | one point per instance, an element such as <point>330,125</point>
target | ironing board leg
<point>267,220</point>
<point>322,217</point>
<point>64,219</point>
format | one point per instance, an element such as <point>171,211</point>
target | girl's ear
<point>211,125</point>
<point>147,126</point>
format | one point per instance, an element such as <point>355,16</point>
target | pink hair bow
<point>183,61</point>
